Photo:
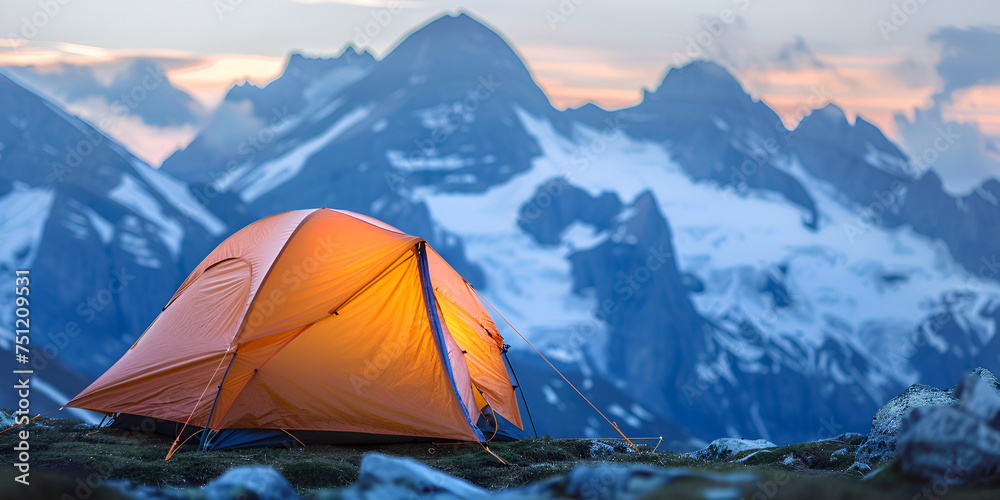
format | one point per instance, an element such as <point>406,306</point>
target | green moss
<point>318,473</point>
<point>67,451</point>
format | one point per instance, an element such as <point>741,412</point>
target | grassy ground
<point>66,451</point>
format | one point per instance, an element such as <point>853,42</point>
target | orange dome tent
<point>318,324</point>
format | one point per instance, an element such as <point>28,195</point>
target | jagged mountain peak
<point>830,114</point>
<point>300,61</point>
<point>300,69</point>
<point>707,95</point>
<point>451,35</point>
<point>453,43</point>
<point>831,123</point>
<point>645,203</point>
<point>460,23</point>
<point>699,79</point>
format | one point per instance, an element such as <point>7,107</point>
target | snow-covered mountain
<point>102,233</point>
<point>249,117</point>
<point>691,263</point>
<point>732,275</point>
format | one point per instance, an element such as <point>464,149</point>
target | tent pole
<point>437,330</point>
<point>519,388</point>
<point>204,435</point>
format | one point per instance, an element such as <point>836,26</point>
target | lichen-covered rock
<point>839,455</point>
<point>955,445</point>
<point>725,448</point>
<point>600,450</point>
<point>987,377</point>
<point>880,445</point>
<point>852,438</point>
<point>8,418</point>
<point>859,468</point>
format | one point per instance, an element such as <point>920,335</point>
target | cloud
<point>152,144</point>
<point>732,44</point>
<point>797,55</point>
<point>129,98</point>
<point>964,110</point>
<point>957,99</point>
<point>968,58</point>
<point>793,79</point>
<point>952,99</point>
<point>133,86</point>
<point>959,152</point>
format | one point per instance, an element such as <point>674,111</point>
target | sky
<point>918,69</point>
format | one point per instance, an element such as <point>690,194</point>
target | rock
<point>850,438</point>
<point>382,476</point>
<point>725,448</point>
<point>601,450</point>
<point>6,419</point>
<point>860,468</point>
<point>614,482</point>
<point>143,492</point>
<point>794,462</point>
<point>840,455</point>
<point>880,445</point>
<point>980,397</point>
<point>955,445</point>
<point>250,483</point>
<point>987,376</point>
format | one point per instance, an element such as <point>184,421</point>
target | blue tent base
<point>507,431</point>
<point>276,438</point>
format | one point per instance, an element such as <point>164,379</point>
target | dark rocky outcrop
<point>955,445</point>
<point>881,444</point>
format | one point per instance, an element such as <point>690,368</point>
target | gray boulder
<point>880,445</point>
<point>382,476</point>
<point>955,445</point>
<point>250,483</point>
<point>255,482</point>
<point>987,376</point>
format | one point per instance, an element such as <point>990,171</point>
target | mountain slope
<point>101,232</point>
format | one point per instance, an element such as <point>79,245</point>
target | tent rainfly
<point>316,325</point>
